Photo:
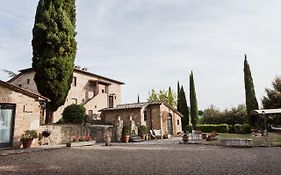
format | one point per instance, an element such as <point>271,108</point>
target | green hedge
<point>74,114</point>
<point>220,128</point>
<point>242,129</point>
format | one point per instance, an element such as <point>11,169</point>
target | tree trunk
<point>49,115</point>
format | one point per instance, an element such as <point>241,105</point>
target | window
<point>74,81</point>
<point>145,115</point>
<point>178,122</point>
<point>111,101</point>
<point>20,85</point>
<point>74,101</point>
<point>103,91</point>
<point>90,113</point>
<point>28,81</point>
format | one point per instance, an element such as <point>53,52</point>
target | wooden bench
<point>236,142</point>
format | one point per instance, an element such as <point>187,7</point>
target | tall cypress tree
<point>251,101</point>
<point>184,109</point>
<point>178,96</point>
<point>54,51</point>
<point>193,102</point>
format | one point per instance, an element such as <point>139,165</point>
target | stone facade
<point>93,91</point>
<point>152,115</point>
<point>60,134</point>
<point>27,111</point>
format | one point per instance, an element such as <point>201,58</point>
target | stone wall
<point>60,134</point>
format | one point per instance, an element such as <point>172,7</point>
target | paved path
<point>154,157</point>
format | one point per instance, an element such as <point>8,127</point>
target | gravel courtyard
<point>158,157</point>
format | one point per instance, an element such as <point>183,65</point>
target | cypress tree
<point>251,101</point>
<point>54,50</point>
<point>178,96</point>
<point>193,102</point>
<point>184,109</point>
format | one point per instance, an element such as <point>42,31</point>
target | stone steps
<point>136,138</point>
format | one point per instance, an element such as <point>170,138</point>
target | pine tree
<point>251,101</point>
<point>193,102</point>
<point>184,109</point>
<point>54,50</point>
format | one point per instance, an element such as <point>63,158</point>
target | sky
<point>152,44</point>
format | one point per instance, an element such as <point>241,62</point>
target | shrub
<point>237,128</point>
<point>220,128</point>
<point>142,130</point>
<point>28,134</point>
<point>126,130</point>
<point>188,128</point>
<point>231,129</point>
<point>245,129</point>
<point>74,114</point>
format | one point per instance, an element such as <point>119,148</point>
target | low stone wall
<point>60,134</point>
<point>237,142</point>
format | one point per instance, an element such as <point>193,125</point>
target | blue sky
<point>154,43</point>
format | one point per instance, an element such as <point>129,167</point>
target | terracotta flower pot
<point>26,143</point>
<point>126,138</point>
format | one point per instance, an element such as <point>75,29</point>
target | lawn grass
<point>273,139</point>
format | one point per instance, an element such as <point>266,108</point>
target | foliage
<point>221,128</point>
<point>126,130</point>
<point>54,50</point>
<point>251,101</point>
<point>183,108</point>
<point>237,128</point>
<point>187,129</point>
<point>272,100</point>
<point>245,129</point>
<point>242,129</point>
<point>193,102</point>
<point>142,130</point>
<point>163,96</point>
<point>29,134</point>
<point>235,115</point>
<point>74,114</point>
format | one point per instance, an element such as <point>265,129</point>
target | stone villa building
<point>93,91</point>
<point>22,107</point>
<point>154,115</point>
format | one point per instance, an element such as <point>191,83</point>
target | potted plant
<point>142,131</point>
<point>185,137</point>
<point>28,137</point>
<point>126,131</point>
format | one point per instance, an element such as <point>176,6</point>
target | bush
<point>126,130</point>
<point>220,128</point>
<point>188,128</point>
<point>231,129</point>
<point>142,130</point>
<point>245,129</point>
<point>74,114</point>
<point>237,128</point>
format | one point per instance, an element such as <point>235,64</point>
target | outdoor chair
<point>155,134</point>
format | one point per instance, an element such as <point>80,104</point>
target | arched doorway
<point>170,123</point>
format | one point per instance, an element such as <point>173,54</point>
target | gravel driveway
<point>157,157</point>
